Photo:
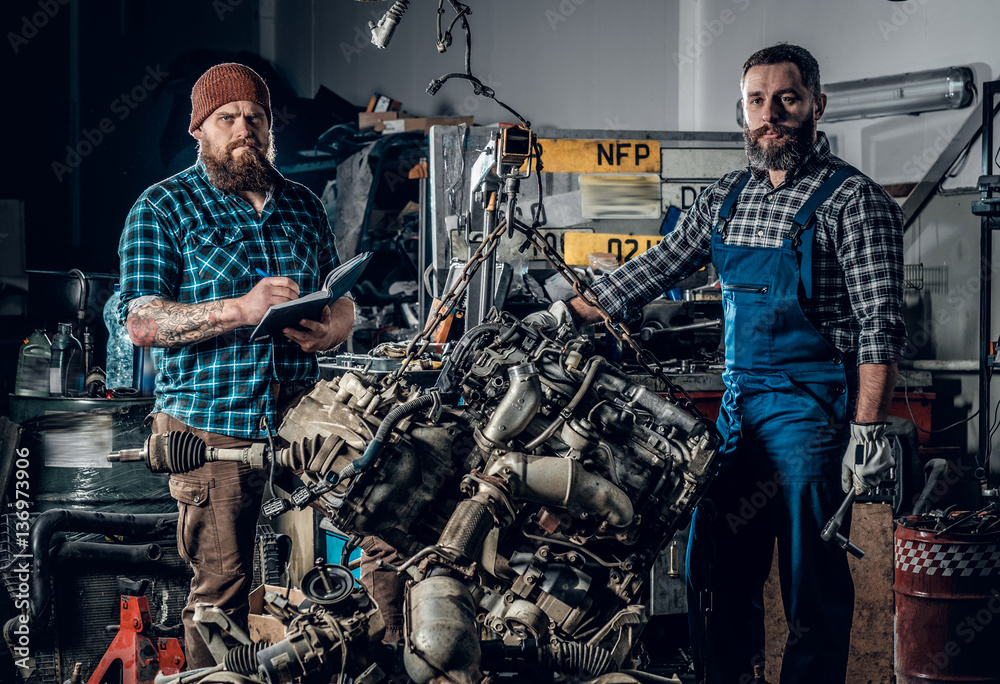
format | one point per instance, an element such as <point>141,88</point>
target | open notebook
<point>288,314</point>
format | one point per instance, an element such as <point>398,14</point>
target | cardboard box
<point>421,123</point>
<point>264,627</point>
<point>383,103</point>
<point>374,119</point>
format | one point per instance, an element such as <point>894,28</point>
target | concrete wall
<point>566,63</point>
<point>850,39</point>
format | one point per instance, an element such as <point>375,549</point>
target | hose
<point>50,522</point>
<point>595,364</point>
<point>113,553</point>
<point>580,659</point>
<point>242,659</point>
<point>396,414</point>
<point>466,529</point>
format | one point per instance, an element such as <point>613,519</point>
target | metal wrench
<point>832,529</point>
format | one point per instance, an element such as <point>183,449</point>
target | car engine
<point>529,492</point>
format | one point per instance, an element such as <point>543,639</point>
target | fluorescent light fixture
<point>909,93</point>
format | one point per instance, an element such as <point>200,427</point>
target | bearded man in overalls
<point>809,253</point>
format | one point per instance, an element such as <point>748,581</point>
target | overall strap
<point>803,224</point>
<point>727,204</point>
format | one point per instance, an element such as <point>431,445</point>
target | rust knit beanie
<point>223,84</point>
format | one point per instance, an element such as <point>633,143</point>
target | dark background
<point>73,216</point>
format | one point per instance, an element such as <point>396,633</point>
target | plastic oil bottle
<point>33,366</point>
<point>66,364</point>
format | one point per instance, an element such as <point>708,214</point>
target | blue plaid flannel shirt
<point>186,241</point>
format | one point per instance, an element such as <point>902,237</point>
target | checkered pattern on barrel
<point>947,559</point>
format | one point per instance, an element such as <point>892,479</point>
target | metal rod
<point>990,90</point>
<point>423,242</point>
<point>953,365</point>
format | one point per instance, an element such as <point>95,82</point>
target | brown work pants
<point>219,504</point>
<point>384,585</point>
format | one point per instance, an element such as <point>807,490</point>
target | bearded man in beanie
<point>191,253</point>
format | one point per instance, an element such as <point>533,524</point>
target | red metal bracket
<point>132,657</point>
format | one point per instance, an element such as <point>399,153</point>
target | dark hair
<point>783,52</point>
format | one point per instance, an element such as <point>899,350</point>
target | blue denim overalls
<point>783,422</point>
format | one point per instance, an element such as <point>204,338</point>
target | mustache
<point>251,142</point>
<point>780,129</point>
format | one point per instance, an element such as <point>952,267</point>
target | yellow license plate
<point>625,247</point>
<point>600,156</point>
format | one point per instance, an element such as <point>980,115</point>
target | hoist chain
<point>646,358</point>
<point>448,302</point>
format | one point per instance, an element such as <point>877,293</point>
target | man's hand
<point>331,329</point>
<point>265,294</point>
<point>868,457</point>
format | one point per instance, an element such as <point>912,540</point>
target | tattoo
<point>163,323</point>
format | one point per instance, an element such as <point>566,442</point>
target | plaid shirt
<point>857,254</point>
<point>186,241</point>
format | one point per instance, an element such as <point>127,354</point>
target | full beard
<point>250,171</point>
<point>781,154</point>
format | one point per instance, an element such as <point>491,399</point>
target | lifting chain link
<point>646,358</point>
<point>419,344</point>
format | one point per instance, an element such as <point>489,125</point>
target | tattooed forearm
<point>163,323</point>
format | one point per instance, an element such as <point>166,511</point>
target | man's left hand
<point>331,329</point>
<point>868,458</point>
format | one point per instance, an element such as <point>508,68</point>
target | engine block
<point>530,491</point>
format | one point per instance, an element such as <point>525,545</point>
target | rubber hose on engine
<point>396,414</point>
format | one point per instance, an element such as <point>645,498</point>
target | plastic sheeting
<point>354,181</point>
<point>66,443</point>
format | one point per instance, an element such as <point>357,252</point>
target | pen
<point>262,273</point>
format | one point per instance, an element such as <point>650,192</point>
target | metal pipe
<point>518,407</point>
<point>934,473</point>
<point>116,553</point>
<point>565,483</point>
<point>666,413</point>
<point>593,366</point>
<point>422,243</point>
<point>442,640</point>
<point>651,332</point>
<point>986,361</point>
<point>955,365</point>
<point>831,531</point>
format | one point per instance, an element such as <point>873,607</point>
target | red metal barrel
<point>947,592</point>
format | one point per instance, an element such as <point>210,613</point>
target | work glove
<point>868,457</point>
<point>553,318</point>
